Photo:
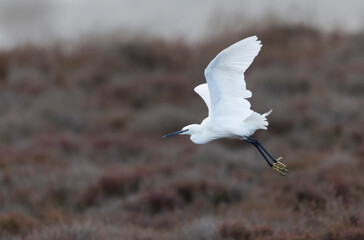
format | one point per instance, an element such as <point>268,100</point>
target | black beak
<point>175,133</point>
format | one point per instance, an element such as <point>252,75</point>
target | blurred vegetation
<point>81,154</point>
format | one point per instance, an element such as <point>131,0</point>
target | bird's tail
<point>267,113</point>
<point>258,120</point>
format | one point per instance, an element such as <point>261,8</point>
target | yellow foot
<point>280,167</point>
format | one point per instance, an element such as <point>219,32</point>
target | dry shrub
<point>3,66</point>
<point>139,94</point>
<point>160,121</point>
<point>341,233</point>
<point>112,121</point>
<point>304,160</point>
<point>208,192</point>
<point>58,196</point>
<point>91,230</point>
<point>283,43</point>
<point>67,232</point>
<point>16,224</point>
<point>312,197</point>
<point>155,55</point>
<point>238,230</point>
<point>235,230</point>
<point>202,229</point>
<point>355,220</point>
<point>158,201</point>
<point>198,193</point>
<point>89,196</point>
<point>262,231</point>
<point>121,146</point>
<point>163,201</point>
<point>360,151</point>
<point>115,182</point>
<point>343,190</point>
<point>347,187</point>
<point>353,234</point>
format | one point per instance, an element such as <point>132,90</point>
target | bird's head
<point>187,130</point>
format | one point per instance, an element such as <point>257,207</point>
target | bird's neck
<point>200,134</point>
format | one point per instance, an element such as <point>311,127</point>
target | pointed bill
<point>175,133</point>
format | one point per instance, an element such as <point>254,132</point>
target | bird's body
<point>225,94</point>
<point>210,130</point>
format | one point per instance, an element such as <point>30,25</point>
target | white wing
<point>225,78</point>
<point>203,91</point>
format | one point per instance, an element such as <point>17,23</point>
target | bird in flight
<point>225,94</point>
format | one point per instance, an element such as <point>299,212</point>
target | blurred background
<point>87,89</point>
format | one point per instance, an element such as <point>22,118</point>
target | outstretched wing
<point>203,91</point>
<point>225,79</point>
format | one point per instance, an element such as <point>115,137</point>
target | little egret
<point>225,94</point>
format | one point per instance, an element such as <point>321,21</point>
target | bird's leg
<point>260,151</point>
<point>263,148</point>
<point>277,164</point>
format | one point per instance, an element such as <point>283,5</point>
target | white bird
<point>225,94</point>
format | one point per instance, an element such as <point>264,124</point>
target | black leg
<point>277,165</point>
<point>260,151</point>
<point>261,146</point>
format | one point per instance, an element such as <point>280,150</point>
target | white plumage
<point>225,94</point>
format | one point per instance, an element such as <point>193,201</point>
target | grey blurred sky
<point>43,21</point>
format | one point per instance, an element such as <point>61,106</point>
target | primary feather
<point>225,92</point>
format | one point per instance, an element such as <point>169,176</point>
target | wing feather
<point>203,91</point>
<point>225,79</point>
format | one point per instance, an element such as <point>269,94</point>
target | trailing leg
<point>260,151</point>
<point>277,164</point>
<point>263,148</point>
